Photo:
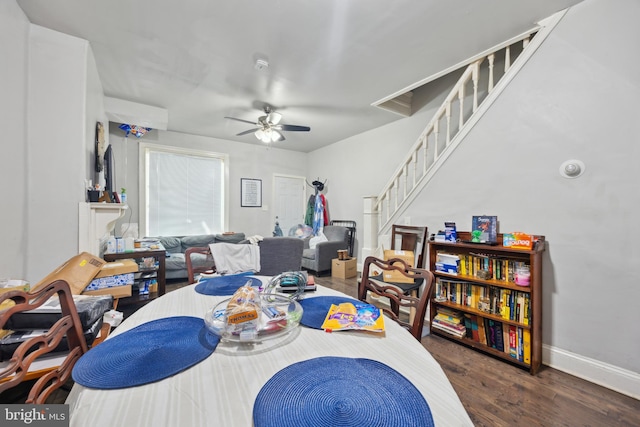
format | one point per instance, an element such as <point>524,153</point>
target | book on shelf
<point>450,231</point>
<point>449,311</point>
<point>484,229</point>
<point>482,334</point>
<point>459,331</point>
<point>448,318</point>
<point>526,346</point>
<point>499,337</point>
<point>491,333</point>
<point>475,335</point>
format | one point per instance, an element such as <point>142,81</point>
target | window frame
<point>144,148</point>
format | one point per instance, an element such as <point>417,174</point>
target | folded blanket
<point>254,240</point>
<point>233,258</point>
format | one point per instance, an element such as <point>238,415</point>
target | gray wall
<point>575,99</point>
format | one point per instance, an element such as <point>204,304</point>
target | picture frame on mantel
<point>250,193</point>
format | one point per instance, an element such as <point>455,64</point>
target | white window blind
<point>184,192</point>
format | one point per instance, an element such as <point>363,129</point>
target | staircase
<point>482,80</point>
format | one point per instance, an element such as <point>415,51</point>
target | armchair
<point>318,259</point>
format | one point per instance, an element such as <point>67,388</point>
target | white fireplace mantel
<point>96,221</point>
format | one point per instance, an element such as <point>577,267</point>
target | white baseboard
<point>609,376</point>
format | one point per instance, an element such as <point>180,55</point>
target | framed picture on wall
<point>250,193</point>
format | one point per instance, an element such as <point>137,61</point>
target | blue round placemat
<point>146,353</point>
<point>315,309</point>
<point>226,285</point>
<point>340,391</point>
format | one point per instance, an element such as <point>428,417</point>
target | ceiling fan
<point>269,129</point>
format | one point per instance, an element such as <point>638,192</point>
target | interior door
<point>289,201</point>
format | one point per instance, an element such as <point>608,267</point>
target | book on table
<point>348,316</point>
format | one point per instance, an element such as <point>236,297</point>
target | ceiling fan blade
<point>294,128</point>
<point>248,131</point>
<point>241,120</point>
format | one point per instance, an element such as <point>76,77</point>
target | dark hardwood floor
<point>495,393</point>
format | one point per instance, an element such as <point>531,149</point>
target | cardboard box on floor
<point>343,269</point>
<point>78,271</point>
<point>390,276</point>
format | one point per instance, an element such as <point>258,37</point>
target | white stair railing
<point>480,78</point>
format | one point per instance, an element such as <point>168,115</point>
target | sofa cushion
<point>175,261</point>
<point>309,253</point>
<point>230,238</point>
<point>200,240</point>
<point>171,244</point>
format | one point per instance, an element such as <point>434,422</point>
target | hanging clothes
<point>325,211</point>
<point>318,215</point>
<point>308,218</point>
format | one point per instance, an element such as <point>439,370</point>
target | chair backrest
<point>17,368</point>
<point>280,254</point>
<point>351,227</point>
<point>336,233</point>
<point>412,238</point>
<point>192,270</point>
<point>396,295</point>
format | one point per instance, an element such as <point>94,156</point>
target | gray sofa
<point>318,259</point>
<point>277,254</point>
<point>176,266</point>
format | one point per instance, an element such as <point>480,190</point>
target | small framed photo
<point>250,193</point>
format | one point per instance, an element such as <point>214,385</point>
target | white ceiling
<point>329,60</point>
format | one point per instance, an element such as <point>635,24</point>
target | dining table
<point>221,389</point>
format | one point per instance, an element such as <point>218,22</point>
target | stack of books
<point>449,321</point>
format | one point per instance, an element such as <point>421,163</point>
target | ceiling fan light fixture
<point>268,127</point>
<point>275,136</point>
<point>274,118</point>
<point>265,135</point>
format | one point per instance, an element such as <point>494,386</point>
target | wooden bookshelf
<point>483,289</point>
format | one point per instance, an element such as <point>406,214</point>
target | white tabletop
<point>221,389</point>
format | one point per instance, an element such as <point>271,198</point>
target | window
<point>184,191</point>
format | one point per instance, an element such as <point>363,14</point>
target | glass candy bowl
<point>278,316</point>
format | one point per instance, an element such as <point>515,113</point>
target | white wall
<point>14,32</point>
<point>54,98</point>
<point>576,98</point>
<point>361,165</point>
<point>64,101</point>
<point>245,161</point>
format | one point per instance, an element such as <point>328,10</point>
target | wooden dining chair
<point>398,296</point>
<point>410,238</point>
<point>193,269</point>
<point>18,368</point>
